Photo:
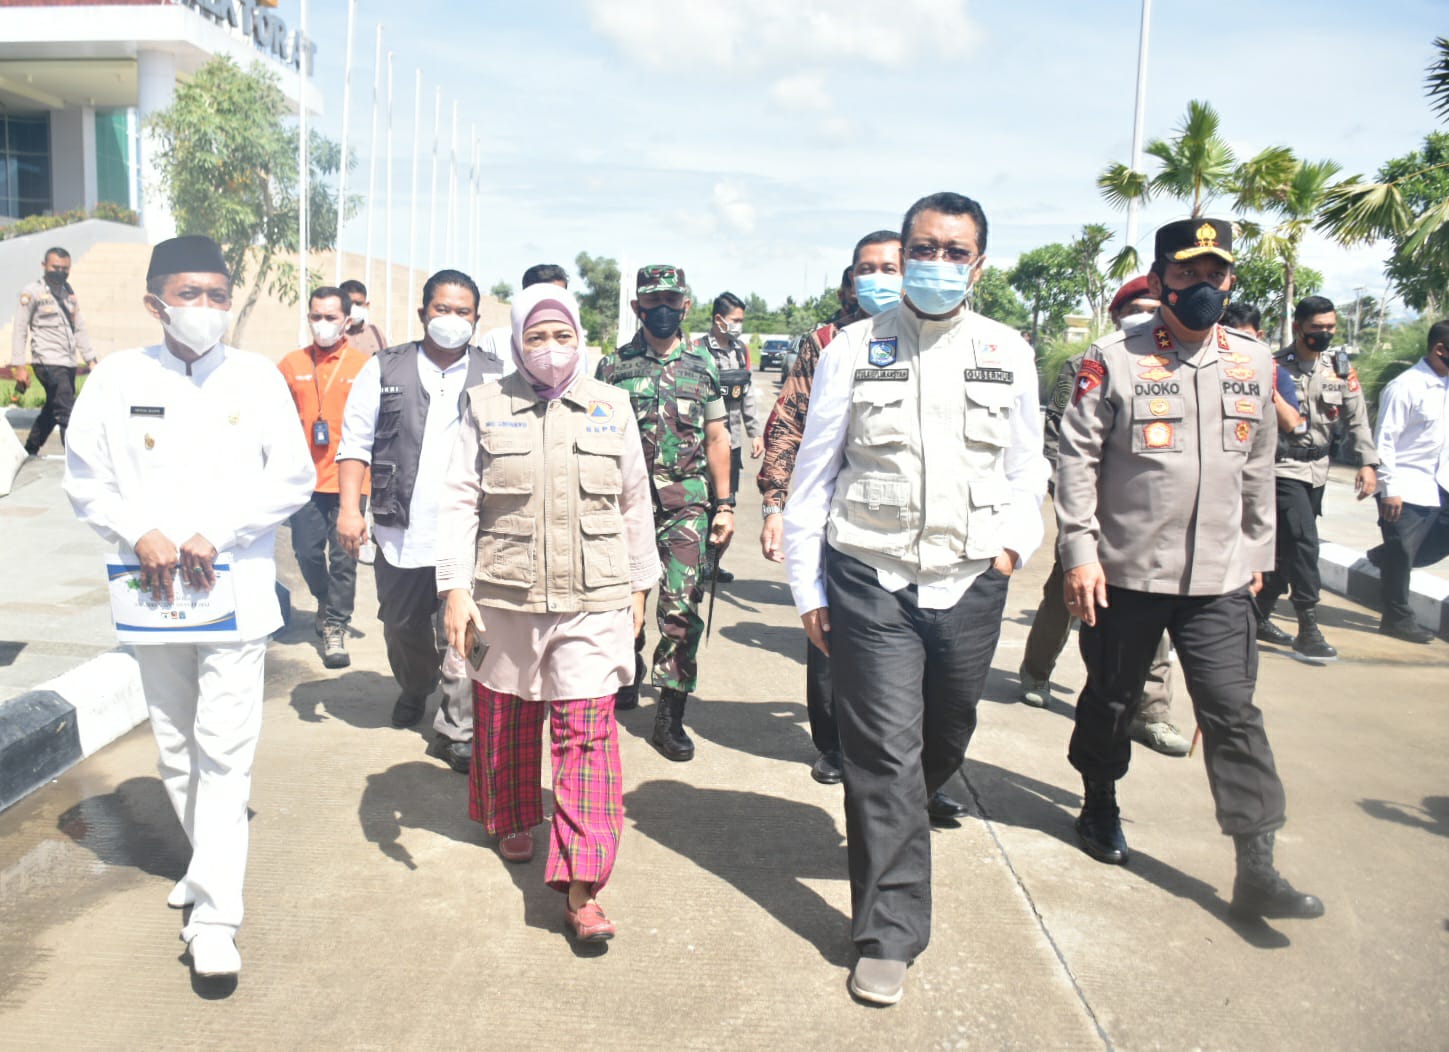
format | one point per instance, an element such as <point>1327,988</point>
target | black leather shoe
<point>1408,631</point>
<point>1259,890</point>
<point>408,711</point>
<point>1310,646</point>
<point>628,697</point>
<point>826,769</point>
<point>669,737</point>
<point>1268,632</point>
<point>724,576</point>
<point>1099,826</point>
<point>942,806</point>
<point>457,755</point>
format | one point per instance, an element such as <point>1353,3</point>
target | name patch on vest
<point>148,410</point>
<point>392,390</point>
<point>989,376</point>
<point>882,352</point>
<point>882,374</point>
<point>506,423</point>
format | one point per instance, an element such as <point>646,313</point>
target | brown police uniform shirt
<point>1165,465</point>
<point>1327,401</point>
<point>53,321</point>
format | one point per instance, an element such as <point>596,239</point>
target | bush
<point>1050,354</point>
<point>37,224</point>
<point>1403,345</point>
<point>115,213</point>
<point>34,396</point>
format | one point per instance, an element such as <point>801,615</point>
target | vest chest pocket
<point>605,559</point>
<point>507,468</point>
<point>878,413</point>
<point>600,453</point>
<point>506,552</point>
<point>1242,416</point>
<point>1157,424</point>
<point>988,413</point>
<point>990,497</point>
<point>879,504</point>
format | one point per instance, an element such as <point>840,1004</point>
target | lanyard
<point>322,392</point>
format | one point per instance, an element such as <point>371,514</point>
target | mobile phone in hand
<point>477,647</point>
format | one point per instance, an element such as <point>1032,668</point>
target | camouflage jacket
<point>673,398</point>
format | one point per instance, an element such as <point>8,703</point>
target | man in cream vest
<point>918,493</point>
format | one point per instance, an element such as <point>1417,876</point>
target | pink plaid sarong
<point>504,793</point>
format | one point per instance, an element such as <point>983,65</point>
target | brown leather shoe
<point>516,847</point>
<point>589,923</point>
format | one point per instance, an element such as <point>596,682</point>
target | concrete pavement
<point>379,917</point>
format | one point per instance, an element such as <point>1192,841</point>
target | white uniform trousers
<point>205,703</point>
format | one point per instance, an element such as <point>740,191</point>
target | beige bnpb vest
<point>550,531</point>
<point>923,486</point>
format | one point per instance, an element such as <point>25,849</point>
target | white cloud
<point>754,33</point>
<point>732,208</point>
<point>804,92</point>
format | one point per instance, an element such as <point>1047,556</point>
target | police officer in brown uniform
<point>1165,505</point>
<point>50,317</point>
<point>1329,396</point>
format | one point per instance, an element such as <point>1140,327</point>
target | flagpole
<point>303,173</point>
<point>1139,117</point>
<point>346,117</point>
<point>387,203</point>
<point>372,159</point>
<point>473,205</point>
<point>452,248</point>
<point>413,201</point>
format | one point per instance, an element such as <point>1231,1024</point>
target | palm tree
<point>1295,191</point>
<point>1195,165</point>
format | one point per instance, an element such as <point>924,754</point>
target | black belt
<point>1303,453</point>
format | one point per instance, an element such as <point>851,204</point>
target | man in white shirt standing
<point>918,492</point>
<point>1413,448</point>
<point>180,452</point>
<point>402,419</point>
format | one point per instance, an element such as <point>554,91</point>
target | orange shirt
<point>320,380</point>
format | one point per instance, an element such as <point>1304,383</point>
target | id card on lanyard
<point>321,432</point>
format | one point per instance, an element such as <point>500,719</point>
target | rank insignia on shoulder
<point>882,352</point>
<point>1163,337</point>
<point>1089,378</point>
<point>599,412</point>
<point>1222,339</point>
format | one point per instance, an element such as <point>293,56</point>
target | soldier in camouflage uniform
<point>676,395</point>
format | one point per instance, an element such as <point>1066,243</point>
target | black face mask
<point>1317,342</point>
<point>57,277</point>
<point>662,321</point>
<point>1197,307</point>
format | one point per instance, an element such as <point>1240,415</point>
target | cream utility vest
<point>551,533</point>
<point>923,485</point>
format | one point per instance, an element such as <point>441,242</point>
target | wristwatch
<point>766,510</point>
<point>721,503</point>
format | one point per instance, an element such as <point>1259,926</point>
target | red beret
<point>1129,292</point>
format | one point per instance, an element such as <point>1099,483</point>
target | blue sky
<point>753,141</point>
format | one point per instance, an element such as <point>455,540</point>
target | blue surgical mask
<point>935,286</point>
<point>877,292</point>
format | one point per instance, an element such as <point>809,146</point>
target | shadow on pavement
<point>415,795</point>
<point>766,593</point>
<point>543,907</point>
<point>760,845</point>
<point>132,826</point>
<point>361,698</point>
<point>1432,816</point>
<point>1003,687</point>
<point>1330,617</point>
<point>772,730</point>
<point>1015,799</point>
<point>787,641</point>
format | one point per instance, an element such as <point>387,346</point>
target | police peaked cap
<point>1189,238</point>
<point>191,254</point>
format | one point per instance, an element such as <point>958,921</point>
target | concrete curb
<point>46,731</point>
<point>1347,572</point>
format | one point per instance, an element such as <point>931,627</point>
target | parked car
<point>772,354</point>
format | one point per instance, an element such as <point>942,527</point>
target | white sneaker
<point>213,953</point>
<point>181,895</point>
<point>1161,737</point>
<point>1035,692</point>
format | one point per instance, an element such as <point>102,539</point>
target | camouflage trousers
<point>680,536</point>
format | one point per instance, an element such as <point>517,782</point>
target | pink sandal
<point>516,847</point>
<point>589,923</point>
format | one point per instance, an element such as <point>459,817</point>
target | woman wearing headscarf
<point>546,549</point>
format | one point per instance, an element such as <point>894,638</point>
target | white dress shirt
<point>497,345</point>
<point>822,453</point>
<point>414,546</point>
<point>1413,436</point>
<point>210,449</point>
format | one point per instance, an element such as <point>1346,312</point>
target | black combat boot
<point>1260,890</point>
<point>628,697</point>
<point>1099,827</point>
<point>669,737</point>
<point>1310,645</point>
<point>1268,632</point>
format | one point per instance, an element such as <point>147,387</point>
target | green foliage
<point>1421,277</point>
<point>38,224</point>
<point>1193,166</point>
<point>114,212</point>
<point>1403,345</point>
<point>34,396</point>
<point>1049,283</point>
<point>227,163</point>
<point>1050,355</point>
<point>1261,283</point>
<point>1092,282</point>
<point>790,317</point>
<point>503,292</point>
<point>599,303</point>
<point>994,298</point>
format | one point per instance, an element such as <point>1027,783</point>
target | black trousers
<point>1299,505</point>
<point>907,681</point>
<point>330,573</point>
<point>1216,643</point>
<point>407,605</point>
<point>59,384</point>
<point>1419,538</point>
<point>820,700</point>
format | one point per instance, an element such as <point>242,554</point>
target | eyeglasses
<point>925,251</point>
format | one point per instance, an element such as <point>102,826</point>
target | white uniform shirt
<point>497,344</point>
<point>1413,436</point>
<point>822,452</point>
<point>414,546</point>
<point>215,452</point>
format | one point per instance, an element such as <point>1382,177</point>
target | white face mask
<point>449,331</point>
<point>734,328</point>
<point>358,316</point>
<point>326,333</point>
<point>198,329</point>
